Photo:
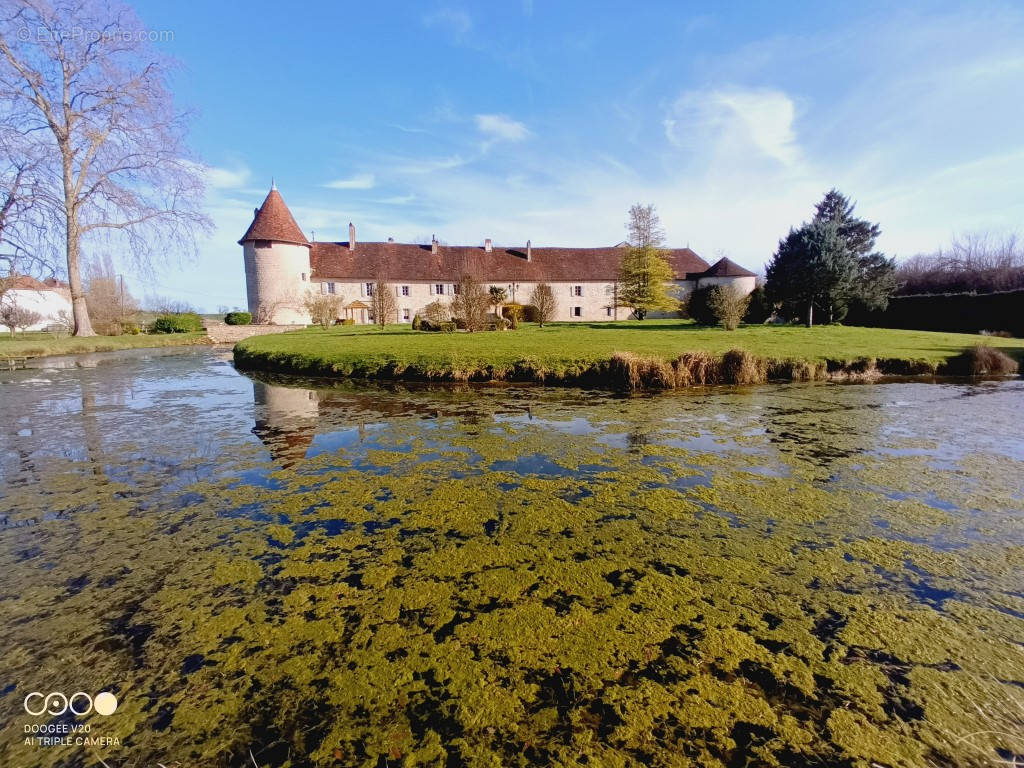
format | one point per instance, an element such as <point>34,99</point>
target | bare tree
<point>13,316</point>
<point>113,160</point>
<point>383,305</point>
<point>324,308</point>
<point>644,227</point>
<point>974,262</point>
<point>110,302</point>
<point>26,317</point>
<point>436,312</point>
<point>543,300</point>
<point>470,303</point>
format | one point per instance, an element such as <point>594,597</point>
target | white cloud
<point>501,128</point>
<point>453,21</point>
<point>359,181</point>
<point>736,119</point>
<point>226,178</point>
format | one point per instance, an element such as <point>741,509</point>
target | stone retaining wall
<point>221,333</point>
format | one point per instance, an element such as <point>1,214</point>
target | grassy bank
<point>659,353</point>
<point>43,344</point>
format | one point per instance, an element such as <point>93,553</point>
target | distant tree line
<point>975,263</point>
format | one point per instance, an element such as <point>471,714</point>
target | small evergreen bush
<point>238,318</point>
<point>183,322</point>
<point>448,327</point>
<point>417,323</point>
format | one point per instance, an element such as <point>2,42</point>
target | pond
<point>277,573</point>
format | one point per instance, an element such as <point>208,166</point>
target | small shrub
<point>529,313</point>
<point>980,360</point>
<point>184,322</point>
<point>513,313</point>
<point>446,327</point>
<point>347,321</point>
<point>417,323</point>
<point>130,328</point>
<point>728,304</point>
<point>238,318</point>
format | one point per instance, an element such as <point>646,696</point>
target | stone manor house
<point>282,267</point>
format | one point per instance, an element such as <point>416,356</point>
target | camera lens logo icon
<point>78,703</point>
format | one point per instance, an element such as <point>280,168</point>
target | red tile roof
<point>273,221</point>
<point>28,283</point>
<point>725,267</point>
<point>407,261</point>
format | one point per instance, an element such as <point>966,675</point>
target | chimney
<point>433,244</point>
<point>487,245</point>
<point>351,236</point>
<point>529,251</point>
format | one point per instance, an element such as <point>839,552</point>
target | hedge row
<point>958,312</point>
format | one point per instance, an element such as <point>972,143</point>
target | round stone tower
<point>277,266</point>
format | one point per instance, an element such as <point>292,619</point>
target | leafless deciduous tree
<point>543,300</point>
<point>471,304</point>
<point>87,95</point>
<point>110,303</point>
<point>324,308</point>
<point>13,316</point>
<point>382,303</point>
<point>974,262</point>
<point>644,227</point>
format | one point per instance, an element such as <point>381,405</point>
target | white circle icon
<point>105,703</point>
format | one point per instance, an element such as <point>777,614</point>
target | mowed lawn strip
<point>561,347</point>
<point>40,344</point>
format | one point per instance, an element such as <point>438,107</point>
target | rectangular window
<point>608,311</point>
<point>577,311</point>
<point>330,287</point>
<point>405,315</point>
<point>405,290</point>
<point>369,289</point>
<point>439,289</point>
<point>577,290</point>
<point>303,277</point>
<point>455,290</point>
<point>262,243</point>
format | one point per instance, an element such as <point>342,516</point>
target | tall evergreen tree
<point>829,263</point>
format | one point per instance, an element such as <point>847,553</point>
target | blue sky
<point>546,120</point>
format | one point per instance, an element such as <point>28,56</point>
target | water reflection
<point>344,573</point>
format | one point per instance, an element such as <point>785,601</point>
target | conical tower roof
<point>273,221</point>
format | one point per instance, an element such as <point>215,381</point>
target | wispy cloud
<point>359,181</point>
<point>501,128</point>
<point>737,119</point>
<point>453,21</point>
<point>226,178</point>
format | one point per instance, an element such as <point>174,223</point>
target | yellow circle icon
<point>105,703</point>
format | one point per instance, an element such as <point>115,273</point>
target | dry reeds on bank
<point>980,360</point>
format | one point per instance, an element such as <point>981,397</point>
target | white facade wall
<point>47,303</point>
<point>594,303</point>
<point>747,282</point>
<point>277,277</point>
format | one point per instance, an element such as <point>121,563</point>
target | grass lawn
<point>562,348</point>
<point>38,344</point>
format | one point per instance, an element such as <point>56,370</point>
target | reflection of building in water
<point>286,419</point>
